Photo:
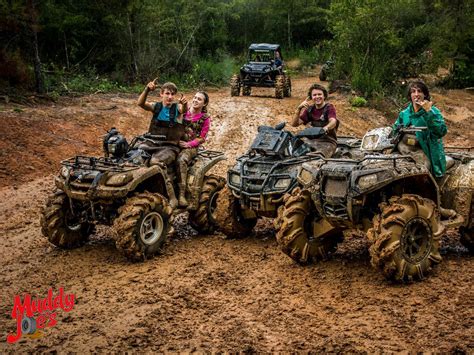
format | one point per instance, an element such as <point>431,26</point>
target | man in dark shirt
<point>319,113</point>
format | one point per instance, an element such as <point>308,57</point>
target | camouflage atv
<point>394,199</point>
<point>260,178</point>
<point>123,190</point>
<point>261,71</point>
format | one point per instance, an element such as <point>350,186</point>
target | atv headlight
<point>282,183</point>
<point>119,179</point>
<point>235,179</point>
<point>305,176</point>
<point>369,142</point>
<point>367,181</point>
<point>64,172</point>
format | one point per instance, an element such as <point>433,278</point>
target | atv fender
<point>203,162</point>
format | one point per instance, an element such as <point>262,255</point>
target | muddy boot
<point>446,213</point>
<point>182,195</point>
<point>173,199</point>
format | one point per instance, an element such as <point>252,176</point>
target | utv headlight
<point>367,181</point>
<point>305,176</point>
<point>235,179</point>
<point>64,172</point>
<point>282,183</point>
<point>119,179</point>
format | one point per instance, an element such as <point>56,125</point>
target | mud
<point>205,293</point>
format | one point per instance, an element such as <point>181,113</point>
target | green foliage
<point>358,101</point>
<point>372,42</point>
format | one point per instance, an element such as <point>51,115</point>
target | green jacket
<point>431,139</point>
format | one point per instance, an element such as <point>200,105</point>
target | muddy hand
<point>426,105</point>
<point>304,104</point>
<point>182,100</point>
<point>151,86</point>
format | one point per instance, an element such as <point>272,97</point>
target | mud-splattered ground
<point>205,293</point>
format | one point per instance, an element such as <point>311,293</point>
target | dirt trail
<point>205,293</point>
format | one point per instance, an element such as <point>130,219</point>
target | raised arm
<point>142,98</point>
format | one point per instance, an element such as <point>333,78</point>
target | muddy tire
<point>323,74</point>
<point>294,229</point>
<point>279,86</point>
<point>143,224</point>
<point>405,238</point>
<point>203,219</point>
<point>235,85</point>
<point>59,226</point>
<point>229,217</point>
<point>246,90</point>
<point>287,89</point>
<point>467,238</point>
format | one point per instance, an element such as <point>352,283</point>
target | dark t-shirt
<point>317,119</point>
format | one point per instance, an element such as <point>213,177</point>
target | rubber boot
<point>182,195</point>
<point>447,213</point>
<point>172,194</point>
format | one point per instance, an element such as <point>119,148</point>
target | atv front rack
<point>101,164</point>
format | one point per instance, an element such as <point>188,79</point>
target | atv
<point>262,70</point>
<point>396,200</point>
<point>261,177</point>
<point>122,190</point>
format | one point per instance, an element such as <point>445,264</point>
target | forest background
<point>60,47</point>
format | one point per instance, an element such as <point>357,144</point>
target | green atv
<point>122,190</point>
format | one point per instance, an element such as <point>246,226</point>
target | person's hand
<point>305,104</point>
<point>425,104</point>
<point>183,144</point>
<point>182,100</point>
<point>151,86</point>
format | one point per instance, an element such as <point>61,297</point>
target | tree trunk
<point>33,24</point>
<point>132,50</point>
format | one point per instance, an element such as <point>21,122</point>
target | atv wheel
<point>228,216</point>
<point>406,238</point>
<point>294,226</point>
<point>235,85</point>
<point>143,225</point>
<point>287,89</point>
<point>246,90</point>
<point>322,74</point>
<point>279,86</point>
<point>203,219</point>
<point>467,238</point>
<point>60,226</point>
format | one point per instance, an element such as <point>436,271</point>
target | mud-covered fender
<point>203,162</point>
<point>458,190</point>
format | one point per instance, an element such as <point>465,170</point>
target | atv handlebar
<point>398,134</point>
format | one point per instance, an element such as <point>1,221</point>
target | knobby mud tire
<point>54,225</point>
<point>405,225</point>
<point>228,216</point>
<point>323,75</point>
<point>235,85</point>
<point>287,89</point>
<point>129,225</point>
<point>279,86</point>
<point>246,90</point>
<point>467,238</point>
<point>203,219</point>
<point>293,230</point>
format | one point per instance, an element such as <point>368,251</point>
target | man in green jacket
<point>426,146</point>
